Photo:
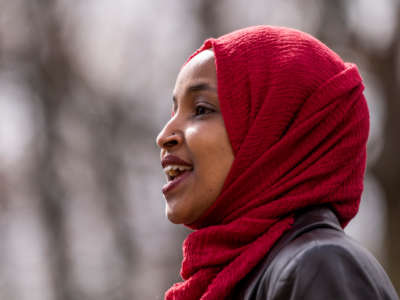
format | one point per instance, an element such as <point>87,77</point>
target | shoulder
<point>317,260</point>
<point>323,248</point>
<point>325,263</point>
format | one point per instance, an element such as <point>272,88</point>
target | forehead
<point>200,69</point>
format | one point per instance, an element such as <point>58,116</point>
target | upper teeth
<point>172,169</point>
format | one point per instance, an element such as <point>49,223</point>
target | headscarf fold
<point>298,125</point>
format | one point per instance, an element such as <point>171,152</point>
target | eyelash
<point>202,107</point>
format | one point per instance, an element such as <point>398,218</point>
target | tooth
<point>173,170</point>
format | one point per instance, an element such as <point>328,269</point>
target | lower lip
<point>174,183</point>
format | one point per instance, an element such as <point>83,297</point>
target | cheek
<point>192,132</point>
<point>211,152</point>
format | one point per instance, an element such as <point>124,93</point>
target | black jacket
<point>315,259</point>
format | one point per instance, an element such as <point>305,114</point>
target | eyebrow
<point>198,87</point>
<point>201,87</point>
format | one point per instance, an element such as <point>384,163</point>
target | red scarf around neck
<point>298,125</point>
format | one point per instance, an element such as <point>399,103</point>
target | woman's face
<point>196,154</point>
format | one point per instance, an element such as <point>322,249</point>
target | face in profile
<point>196,154</point>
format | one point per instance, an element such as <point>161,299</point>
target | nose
<point>170,136</point>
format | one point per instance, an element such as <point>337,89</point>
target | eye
<point>202,110</point>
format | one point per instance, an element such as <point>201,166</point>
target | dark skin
<point>196,133</point>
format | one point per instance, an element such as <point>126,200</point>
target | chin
<point>178,217</point>
<point>173,219</point>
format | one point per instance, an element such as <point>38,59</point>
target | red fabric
<point>298,124</point>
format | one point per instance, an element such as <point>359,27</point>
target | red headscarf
<point>298,124</point>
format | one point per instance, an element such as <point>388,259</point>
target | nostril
<point>170,143</point>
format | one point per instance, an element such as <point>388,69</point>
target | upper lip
<point>174,160</point>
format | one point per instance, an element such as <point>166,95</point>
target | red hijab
<point>298,124</point>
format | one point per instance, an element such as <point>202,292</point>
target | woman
<point>264,156</point>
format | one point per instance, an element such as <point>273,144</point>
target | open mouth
<point>175,171</point>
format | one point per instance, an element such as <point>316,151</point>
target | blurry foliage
<point>84,88</point>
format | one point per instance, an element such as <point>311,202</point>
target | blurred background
<point>85,86</point>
